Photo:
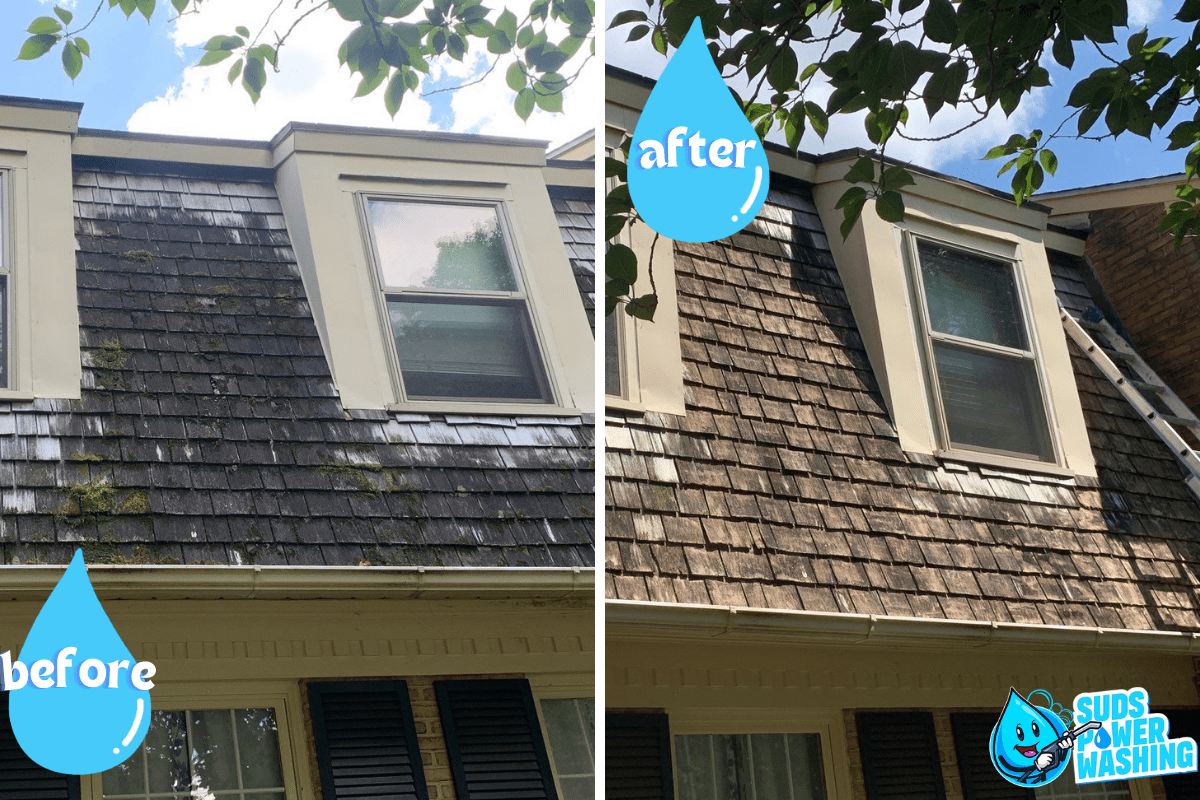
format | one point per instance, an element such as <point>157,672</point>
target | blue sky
<point>1081,163</point>
<point>140,77</point>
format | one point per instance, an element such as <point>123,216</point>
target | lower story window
<point>570,732</point>
<point>750,767</point>
<point>228,754</point>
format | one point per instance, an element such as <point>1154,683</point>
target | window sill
<point>621,404</point>
<point>1005,462</point>
<point>15,395</point>
<point>488,409</point>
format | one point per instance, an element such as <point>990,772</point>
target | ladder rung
<point>1174,420</point>
<point>1117,355</point>
<point>1144,387</point>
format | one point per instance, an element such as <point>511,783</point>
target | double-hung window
<point>455,302</point>
<point>226,754</point>
<point>767,766</point>
<point>980,352</point>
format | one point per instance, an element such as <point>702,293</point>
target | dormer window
<point>455,302</point>
<point>985,376</point>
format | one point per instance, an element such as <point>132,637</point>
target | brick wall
<point>1155,289</point>
<point>428,723</point>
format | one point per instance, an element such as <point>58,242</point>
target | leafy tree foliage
<point>392,44</point>
<point>887,57</point>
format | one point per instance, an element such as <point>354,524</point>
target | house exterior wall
<point>248,653</point>
<point>1154,287</point>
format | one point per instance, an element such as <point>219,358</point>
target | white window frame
<point>289,725</point>
<point>518,298</point>
<point>993,251</point>
<point>829,725</point>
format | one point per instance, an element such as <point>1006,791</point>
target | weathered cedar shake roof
<point>210,429</point>
<point>575,210</point>
<point>784,485</point>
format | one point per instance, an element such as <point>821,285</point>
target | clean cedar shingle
<point>782,406</point>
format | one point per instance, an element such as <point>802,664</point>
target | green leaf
<point>626,17</point>
<point>515,77</point>
<point>642,307</point>
<point>909,5</point>
<point>72,60</point>
<point>394,94</point>
<point>36,46</point>
<point>637,32</point>
<point>940,22</point>
<point>507,22</point>
<point>369,83</point>
<point>659,40</point>
<point>896,178</point>
<point>552,103</point>
<point>254,78</point>
<point>128,7</point>
<point>147,8</point>
<point>851,203</point>
<point>782,72</point>
<point>243,31</point>
<point>64,15</point>
<point>83,46</point>
<point>1088,118</point>
<point>224,43</point>
<point>523,105</point>
<point>620,264</point>
<point>180,5</point>
<point>890,206</point>
<point>235,71</point>
<point>44,25</point>
<point>1049,161</point>
<point>615,168</point>
<point>214,57</point>
<point>614,225</point>
<point>863,171</point>
<point>816,116</point>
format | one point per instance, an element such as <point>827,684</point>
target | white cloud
<point>1143,12</point>
<point>311,87</point>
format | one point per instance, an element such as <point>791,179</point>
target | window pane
<point>971,296</point>
<point>441,246</point>
<point>612,356</point>
<point>258,746</point>
<point>569,741</point>
<point>1064,788</point>
<point>214,763</point>
<point>992,401</point>
<point>465,351</point>
<point>165,746</point>
<point>755,767</point>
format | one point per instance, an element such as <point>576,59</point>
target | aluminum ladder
<point>1140,385</point>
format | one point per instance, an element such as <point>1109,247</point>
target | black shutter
<point>494,740</point>
<point>637,757</point>
<point>980,780</point>
<point>1182,722</point>
<point>20,778</point>
<point>366,743</point>
<point>900,755</point>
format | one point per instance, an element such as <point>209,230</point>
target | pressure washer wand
<point>1059,753</point>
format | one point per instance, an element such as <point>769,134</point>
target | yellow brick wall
<point>435,760</point>
<point>858,787</point>
<point>948,755</point>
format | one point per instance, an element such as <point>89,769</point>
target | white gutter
<point>310,583</point>
<point>634,620</point>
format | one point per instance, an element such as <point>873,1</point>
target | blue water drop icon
<point>1023,732</point>
<point>1102,738</point>
<point>70,727</point>
<point>697,170</point>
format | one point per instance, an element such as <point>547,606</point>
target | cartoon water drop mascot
<point>1031,744</point>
